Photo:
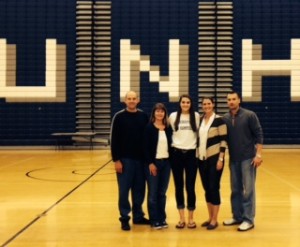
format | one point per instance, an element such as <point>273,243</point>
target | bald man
<point>126,149</point>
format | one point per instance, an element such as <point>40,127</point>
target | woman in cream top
<point>184,123</point>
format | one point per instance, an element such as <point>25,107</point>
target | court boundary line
<point>280,179</point>
<point>44,213</point>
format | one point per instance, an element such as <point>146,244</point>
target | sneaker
<point>245,226</point>
<point>125,225</point>
<point>142,221</point>
<point>164,224</point>
<point>156,226</point>
<point>231,222</point>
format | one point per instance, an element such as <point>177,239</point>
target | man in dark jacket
<point>127,153</point>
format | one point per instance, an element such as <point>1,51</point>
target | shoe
<point>231,222</point>
<point>125,225</point>
<point>180,225</point>
<point>211,226</point>
<point>164,224</point>
<point>156,226</point>
<point>245,226</point>
<point>191,225</point>
<point>142,221</point>
<point>205,224</point>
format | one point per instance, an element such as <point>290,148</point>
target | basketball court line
<point>280,179</point>
<point>39,176</point>
<point>16,163</point>
<point>44,213</point>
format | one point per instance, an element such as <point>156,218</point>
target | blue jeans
<point>242,178</point>
<point>157,188</point>
<point>133,178</point>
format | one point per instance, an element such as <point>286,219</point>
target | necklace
<point>160,126</point>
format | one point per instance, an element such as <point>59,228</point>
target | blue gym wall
<point>150,24</point>
<point>28,24</point>
<point>272,23</point>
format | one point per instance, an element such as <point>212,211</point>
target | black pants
<point>184,167</point>
<point>210,178</point>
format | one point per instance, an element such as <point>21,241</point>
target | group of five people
<point>182,143</point>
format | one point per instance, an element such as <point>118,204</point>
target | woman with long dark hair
<point>184,123</point>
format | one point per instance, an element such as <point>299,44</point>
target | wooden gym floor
<point>69,198</point>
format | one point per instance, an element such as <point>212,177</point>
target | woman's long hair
<point>162,107</point>
<point>191,112</point>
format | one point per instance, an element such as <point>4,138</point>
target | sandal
<point>180,225</point>
<point>191,225</point>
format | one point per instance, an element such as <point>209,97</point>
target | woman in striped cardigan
<point>211,151</point>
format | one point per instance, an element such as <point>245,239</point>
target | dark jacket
<point>151,140</point>
<point>127,135</point>
<point>244,132</point>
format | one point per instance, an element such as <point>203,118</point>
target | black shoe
<point>205,224</point>
<point>125,225</point>
<point>164,224</point>
<point>211,226</point>
<point>156,226</point>
<point>142,221</point>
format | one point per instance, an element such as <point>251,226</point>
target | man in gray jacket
<point>245,142</point>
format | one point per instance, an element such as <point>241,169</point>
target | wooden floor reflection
<point>69,198</point>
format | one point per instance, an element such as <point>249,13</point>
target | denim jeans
<point>157,188</point>
<point>242,178</point>
<point>132,179</point>
<point>184,167</point>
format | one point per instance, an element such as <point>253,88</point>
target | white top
<point>184,137</point>
<point>162,146</point>
<point>203,131</point>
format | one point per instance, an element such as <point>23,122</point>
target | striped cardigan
<point>216,137</point>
